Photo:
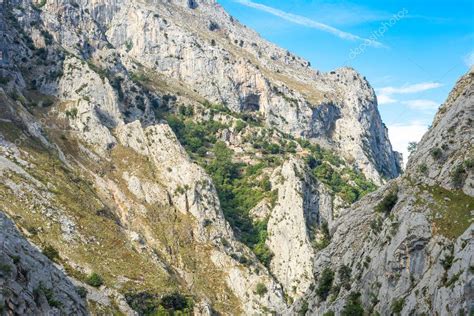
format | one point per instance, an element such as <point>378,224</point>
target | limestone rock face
<point>197,45</point>
<point>408,246</point>
<point>93,159</point>
<point>445,154</point>
<point>301,206</point>
<point>31,284</point>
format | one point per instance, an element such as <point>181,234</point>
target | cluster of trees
<point>153,304</point>
<point>238,193</point>
<point>350,184</point>
<point>240,187</point>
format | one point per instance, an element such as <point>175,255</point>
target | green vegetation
<point>345,276</point>
<point>95,280</point>
<point>128,45</point>
<point>48,293</point>
<point>239,191</point>
<point>81,291</point>
<point>197,138</point>
<point>326,238</point>
<point>240,187</point>
<point>436,153</point>
<point>350,184</point>
<point>304,308</point>
<point>39,4</point>
<point>388,202</point>
<point>329,313</point>
<point>5,269</point>
<point>51,252</point>
<point>145,303</point>
<point>353,305</point>
<point>397,306</point>
<point>458,176</point>
<point>412,147</point>
<point>4,80</point>
<point>325,283</point>
<point>423,168</point>
<point>453,279</point>
<point>448,259</point>
<point>376,225</point>
<point>261,289</point>
<point>72,113</point>
<point>450,210</point>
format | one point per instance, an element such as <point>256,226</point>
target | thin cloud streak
<point>385,99</point>
<point>407,89</point>
<point>301,20</point>
<point>422,104</point>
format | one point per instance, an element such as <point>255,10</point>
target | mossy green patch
<point>451,210</point>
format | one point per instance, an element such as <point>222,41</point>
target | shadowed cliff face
<point>166,136</point>
<point>30,283</point>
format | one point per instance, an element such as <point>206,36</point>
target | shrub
<point>436,153</point>
<point>325,283</point>
<point>143,303</point>
<point>304,309</point>
<point>175,301</point>
<point>353,306</point>
<point>458,176</point>
<point>326,238</point>
<point>329,313</point>
<point>72,113</point>
<point>263,253</point>
<point>128,45</point>
<point>397,306</point>
<point>261,289</point>
<point>48,294</point>
<point>81,291</point>
<point>388,202</point>
<point>411,147</point>
<point>50,252</point>
<point>5,269</point>
<point>95,280</point>
<point>469,164</point>
<point>240,125</point>
<point>345,276</point>
<point>376,225</point>
<point>423,168</point>
<point>447,261</point>
<point>4,80</point>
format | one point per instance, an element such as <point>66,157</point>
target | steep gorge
<point>172,152</point>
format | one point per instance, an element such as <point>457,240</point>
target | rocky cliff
<point>166,158</point>
<point>408,247</point>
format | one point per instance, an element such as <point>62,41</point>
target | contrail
<point>301,20</point>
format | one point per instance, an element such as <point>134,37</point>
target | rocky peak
<point>445,155</point>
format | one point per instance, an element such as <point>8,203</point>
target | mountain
<point>163,157</point>
<point>410,247</point>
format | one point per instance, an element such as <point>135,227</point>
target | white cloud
<point>301,20</point>
<point>401,134</point>
<point>422,104</point>
<point>385,99</point>
<point>407,89</point>
<point>469,59</point>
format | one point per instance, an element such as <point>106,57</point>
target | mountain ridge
<point>118,151</point>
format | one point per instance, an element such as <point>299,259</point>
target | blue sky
<point>416,49</point>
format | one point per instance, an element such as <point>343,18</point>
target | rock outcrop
<point>165,135</point>
<point>408,247</point>
<point>30,283</point>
